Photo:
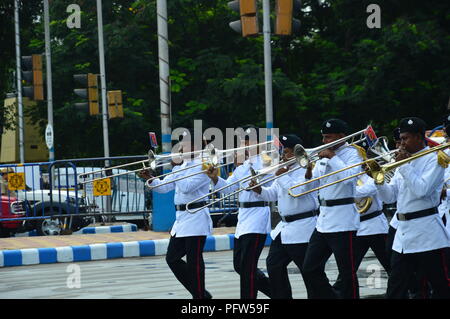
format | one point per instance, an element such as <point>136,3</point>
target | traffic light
<point>89,93</point>
<point>284,23</point>
<point>248,23</point>
<point>32,76</point>
<point>115,107</point>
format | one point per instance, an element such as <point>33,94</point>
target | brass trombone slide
<point>377,171</point>
<point>371,164</point>
<point>152,165</point>
<point>253,175</point>
<point>214,157</point>
<point>299,155</point>
<point>305,156</point>
<point>379,175</point>
<point>298,159</point>
<point>212,162</point>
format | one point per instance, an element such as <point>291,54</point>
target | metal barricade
<point>49,196</point>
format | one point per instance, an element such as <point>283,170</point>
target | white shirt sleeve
<point>270,194</point>
<point>368,189</point>
<point>165,188</point>
<point>286,182</point>
<point>230,182</point>
<point>425,183</point>
<point>389,192</point>
<point>190,184</point>
<point>336,163</point>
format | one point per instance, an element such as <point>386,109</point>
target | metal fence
<point>32,192</point>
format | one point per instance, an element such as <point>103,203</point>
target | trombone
<point>214,160</point>
<point>370,163</point>
<point>302,157</point>
<point>377,171</point>
<point>253,174</point>
<point>306,155</point>
<point>150,156</point>
<point>152,160</point>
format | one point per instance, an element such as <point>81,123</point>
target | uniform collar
<point>252,161</point>
<point>423,149</point>
<point>190,161</point>
<point>341,147</point>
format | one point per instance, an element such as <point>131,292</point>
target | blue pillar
<point>163,204</point>
<point>163,215</point>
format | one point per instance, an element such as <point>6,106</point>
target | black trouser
<point>432,264</point>
<point>390,241</point>
<point>362,244</point>
<point>280,256</point>
<point>320,248</point>
<point>191,273</point>
<point>246,252</point>
<point>418,285</point>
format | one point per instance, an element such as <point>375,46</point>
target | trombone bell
<point>301,156</point>
<point>152,159</point>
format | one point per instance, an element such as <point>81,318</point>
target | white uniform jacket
<point>341,217</point>
<point>376,225</point>
<point>416,186</point>
<point>254,219</point>
<point>186,190</point>
<point>444,207</point>
<point>298,231</point>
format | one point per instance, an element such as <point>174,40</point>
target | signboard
<point>16,181</point>
<point>102,187</point>
<point>153,141</point>
<point>49,136</point>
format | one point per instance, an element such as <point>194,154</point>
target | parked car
<point>12,207</point>
<point>44,202</point>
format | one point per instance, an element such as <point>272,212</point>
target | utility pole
<point>164,79</point>
<point>19,81</point>
<point>268,67</point>
<point>101,53</point>
<point>51,155</point>
<point>103,81</point>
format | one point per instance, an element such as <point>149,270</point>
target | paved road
<point>149,277</point>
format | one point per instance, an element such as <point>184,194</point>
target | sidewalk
<point>19,251</point>
<point>87,239</point>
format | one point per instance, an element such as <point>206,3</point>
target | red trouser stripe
<point>199,287</point>
<point>252,272</point>
<point>444,265</point>
<point>352,261</point>
<point>424,287</point>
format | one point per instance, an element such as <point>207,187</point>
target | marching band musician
<point>188,233</point>
<point>299,215</point>
<point>446,190</point>
<point>420,240</point>
<point>418,286</point>
<point>338,220</point>
<point>393,223</point>
<point>373,229</point>
<point>252,227</point>
<point>445,194</point>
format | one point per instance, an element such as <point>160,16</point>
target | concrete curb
<point>33,256</point>
<point>90,230</point>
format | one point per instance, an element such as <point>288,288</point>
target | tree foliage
<point>336,67</point>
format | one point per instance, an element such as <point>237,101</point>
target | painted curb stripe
<point>32,256</point>
<point>90,230</point>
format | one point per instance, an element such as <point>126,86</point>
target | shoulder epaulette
<point>361,151</point>
<point>443,159</point>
